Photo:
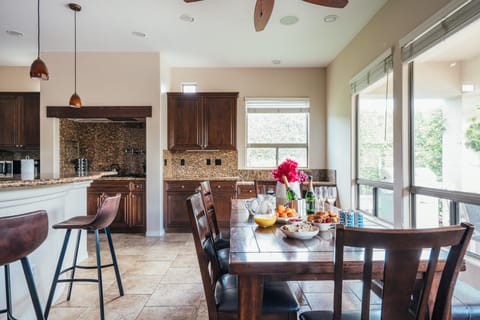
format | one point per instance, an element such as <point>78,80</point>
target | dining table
<point>258,254</point>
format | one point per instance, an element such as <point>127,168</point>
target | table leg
<point>250,297</point>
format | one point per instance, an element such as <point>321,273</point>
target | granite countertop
<point>17,182</point>
<point>231,178</point>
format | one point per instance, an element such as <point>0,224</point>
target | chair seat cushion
<point>277,296</point>
<point>328,315</point>
<point>223,256</point>
<point>221,243</point>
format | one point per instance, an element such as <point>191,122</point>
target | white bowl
<point>293,231</point>
<point>323,226</point>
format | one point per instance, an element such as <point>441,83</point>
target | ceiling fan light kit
<point>75,100</point>
<point>38,69</point>
<point>263,10</point>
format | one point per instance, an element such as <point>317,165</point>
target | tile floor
<point>161,280</point>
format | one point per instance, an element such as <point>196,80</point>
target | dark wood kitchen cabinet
<point>20,120</point>
<point>131,216</point>
<point>175,203</point>
<point>202,121</point>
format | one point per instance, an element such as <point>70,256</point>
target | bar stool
<point>105,215</point>
<point>20,235</point>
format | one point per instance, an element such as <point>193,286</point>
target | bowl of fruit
<point>284,213</point>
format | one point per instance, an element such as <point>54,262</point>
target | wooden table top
<point>268,251</point>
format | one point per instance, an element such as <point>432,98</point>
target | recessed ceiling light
<point>276,61</point>
<point>453,65</point>
<point>187,18</point>
<point>288,20</point>
<point>14,33</point>
<point>139,34</point>
<point>330,18</point>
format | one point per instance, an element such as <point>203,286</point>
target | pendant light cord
<point>75,52</point>
<point>38,29</point>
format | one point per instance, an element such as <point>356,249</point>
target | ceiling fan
<point>263,9</point>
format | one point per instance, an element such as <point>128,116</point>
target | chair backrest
<point>107,211</point>
<point>403,249</point>
<point>207,259</point>
<point>266,184</point>
<point>22,234</point>
<point>209,204</point>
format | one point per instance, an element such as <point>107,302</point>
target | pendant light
<point>38,69</point>
<point>75,100</point>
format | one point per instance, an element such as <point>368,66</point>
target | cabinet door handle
<point>183,187</point>
<point>219,187</point>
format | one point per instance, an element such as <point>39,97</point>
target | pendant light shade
<point>38,69</point>
<point>75,100</point>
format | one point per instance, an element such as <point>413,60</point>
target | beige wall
<point>394,21</point>
<point>107,79</point>
<point>17,79</point>
<point>265,82</point>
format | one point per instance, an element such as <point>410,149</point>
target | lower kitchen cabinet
<point>175,203</point>
<point>131,216</point>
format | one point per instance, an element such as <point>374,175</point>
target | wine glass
<point>331,196</point>
<point>320,195</point>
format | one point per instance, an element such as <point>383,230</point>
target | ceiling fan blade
<point>191,0</point>
<point>329,3</point>
<point>263,11</point>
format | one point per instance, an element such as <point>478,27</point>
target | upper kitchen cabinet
<point>20,120</point>
<point>202,121</point>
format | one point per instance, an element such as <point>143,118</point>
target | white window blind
<point>276,128</point>
<point>277,105</point>
<point>375,71</point>
<point>452,22</point>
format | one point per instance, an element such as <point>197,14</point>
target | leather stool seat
<point>20,235</point>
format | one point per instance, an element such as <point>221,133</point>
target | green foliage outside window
<point>473,135</point>
<point>429,142</point>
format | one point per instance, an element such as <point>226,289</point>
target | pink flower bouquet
<point>289,168</point>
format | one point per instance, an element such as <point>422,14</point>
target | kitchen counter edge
<point>18,183</point>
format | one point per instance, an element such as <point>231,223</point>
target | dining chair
<point>221,239</point>
<point>20,235</point>
<point>403,297</point>
<point>221,290</point>
<point>265,186</point>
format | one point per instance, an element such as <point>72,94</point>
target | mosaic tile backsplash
<point>105,145</point>
<point>201,164</point>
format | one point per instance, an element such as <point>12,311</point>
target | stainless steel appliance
<point>6,168</point>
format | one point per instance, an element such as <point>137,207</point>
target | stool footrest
<point>79,280</point>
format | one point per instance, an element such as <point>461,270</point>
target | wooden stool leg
<point>74,265</point>
<point>31,287</point>
<point>57,272</point>
<point>114,260</point>
<point>8,294</point>
<point>99,272</point>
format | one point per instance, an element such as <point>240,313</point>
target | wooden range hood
<point>101,114</point>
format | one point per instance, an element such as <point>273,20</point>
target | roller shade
<point>375,71</point>
<point>452,22</point>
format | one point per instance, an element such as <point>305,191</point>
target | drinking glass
<point>331,196</point>
<point>320,195</point>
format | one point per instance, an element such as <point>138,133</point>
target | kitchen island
<point>62,197</point>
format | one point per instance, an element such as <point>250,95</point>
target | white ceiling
<point>222,34</point>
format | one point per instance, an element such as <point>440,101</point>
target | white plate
<point>288,229</point>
